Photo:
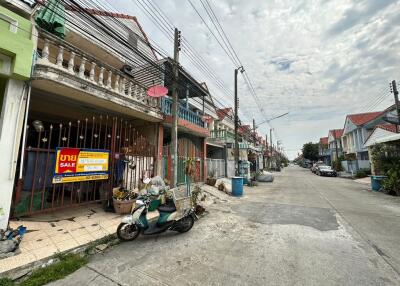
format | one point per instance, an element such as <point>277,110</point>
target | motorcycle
<point>149,217</point>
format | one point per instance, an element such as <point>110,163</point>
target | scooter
<point>149,217</point>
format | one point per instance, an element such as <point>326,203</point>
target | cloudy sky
<point>316,59</point>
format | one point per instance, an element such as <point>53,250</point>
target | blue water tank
<point>376,182</point>
<point>237,186</point>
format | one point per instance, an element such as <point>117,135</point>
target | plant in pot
<point>211,180</point>
<point>123,200</point>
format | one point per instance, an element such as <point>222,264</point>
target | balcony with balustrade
<point>222,135</point>
<point>188,120</point>
<point>65,70</point>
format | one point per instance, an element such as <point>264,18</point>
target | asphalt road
<point>300,230</point>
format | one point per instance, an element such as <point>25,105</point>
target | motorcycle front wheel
<point>127,232</point>
<point>185,224</point>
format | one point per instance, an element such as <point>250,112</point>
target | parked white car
<point>324,170</point>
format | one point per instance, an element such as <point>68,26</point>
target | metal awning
<point>389,138</point>
<point>52,18</point>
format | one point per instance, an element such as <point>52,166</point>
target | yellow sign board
<point>77,165</point>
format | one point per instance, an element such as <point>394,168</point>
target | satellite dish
<point>157,91</point>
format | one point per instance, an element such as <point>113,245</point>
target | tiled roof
<point>323,140</point>
<point>244,129</point>
<point>362,118</point>
<point>387,127</point>
<point>222,113</point>
<point>337,133</point>
<point>113,15</point>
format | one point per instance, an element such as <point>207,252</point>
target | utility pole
<point>254,140</point>
<point>254,132</point>
<point>175,106</point>
<point>396,100</point>
<point>265,150</point>
<point>336,147</point>
<point>237,123</point>
<point>270,148</point>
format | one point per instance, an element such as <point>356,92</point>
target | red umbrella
<point>157,91</point>
<point>207,118</point>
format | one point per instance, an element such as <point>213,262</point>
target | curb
<point>25,270</point>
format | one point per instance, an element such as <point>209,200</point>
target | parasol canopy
<point>157,91</point>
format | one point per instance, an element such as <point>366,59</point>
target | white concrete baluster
<point>109,79</point>
<point>135,92</point>
<point>122,86</point>
<point>101,76</point>
<point>141,95</point>
<point>82,68</point>
<point>130,88</point>
<point>60,56</point>
<point>116,84</point>
<point>71,62</point>
<point>45,51</point>
<point>92,71</point>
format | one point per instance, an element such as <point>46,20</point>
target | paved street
<point>300,230</point>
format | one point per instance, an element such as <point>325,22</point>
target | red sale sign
<point>67,160</point>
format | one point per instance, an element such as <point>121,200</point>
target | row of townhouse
<point>71,85</point>
<point>221,146</point>
<point>351,144</point>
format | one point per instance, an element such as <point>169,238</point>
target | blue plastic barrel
<point>376,182</point>
<point>237,186</point>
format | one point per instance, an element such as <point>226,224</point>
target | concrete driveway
<point>300,230</point>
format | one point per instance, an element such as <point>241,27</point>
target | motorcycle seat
<point>166,208</point>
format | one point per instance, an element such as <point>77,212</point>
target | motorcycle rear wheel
<point>127,232</point>
<point>186,224</point>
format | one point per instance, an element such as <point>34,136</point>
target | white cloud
<point>317,59</point>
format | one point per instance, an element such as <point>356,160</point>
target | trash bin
<point>376,182</point>
<point>237,186</point>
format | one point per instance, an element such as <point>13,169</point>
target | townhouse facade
<point>323,150</point>
<point>89,95</point>
<point>83,98</point>
<point>17,45</point>
<point>335,148</point>
<point>357,129</point>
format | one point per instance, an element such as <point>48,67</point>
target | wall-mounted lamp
<point>38,125</point>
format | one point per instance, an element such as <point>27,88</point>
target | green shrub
<point>68,263</point>
<point>337,165</point>
<point>6,282</point>
<point>392,182</point>
<point>362,173</point>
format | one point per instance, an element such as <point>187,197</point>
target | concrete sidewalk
<point>64,230</point>
<point>365,181</point>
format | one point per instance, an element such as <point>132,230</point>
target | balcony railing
<point>222,135</point>
<point>63,56</point>
<point>183,112</point>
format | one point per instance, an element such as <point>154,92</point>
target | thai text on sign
<point>77,165</point>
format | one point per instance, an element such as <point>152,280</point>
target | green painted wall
<point>18,45</point>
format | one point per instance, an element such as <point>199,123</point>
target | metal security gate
<point>216,167</point>
<point>186,149</point>
<point>131,159</point>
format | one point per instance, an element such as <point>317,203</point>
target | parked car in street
<point>316,165</point>
<point>324,170</point>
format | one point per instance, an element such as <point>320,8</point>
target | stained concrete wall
<point>12,115</point>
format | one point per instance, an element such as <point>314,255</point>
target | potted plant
<point>123,200</point>
<point>211,180</point>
